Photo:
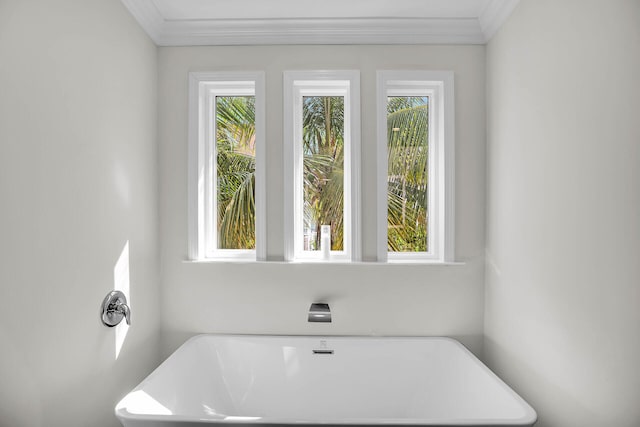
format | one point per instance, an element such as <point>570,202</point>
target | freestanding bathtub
<point>243,380</point>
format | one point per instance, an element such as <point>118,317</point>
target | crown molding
<point>494,15</point>
<point>321,31</point>
<point>148,16</point>
<point>188,32</point>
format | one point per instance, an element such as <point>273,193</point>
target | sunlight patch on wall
<point>121,283</point>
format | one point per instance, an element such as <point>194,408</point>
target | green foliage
<point>235,142</point>
<point>407,147</point>
<point>397,103</point>
<point>323,162</point>
<point>323,170</point>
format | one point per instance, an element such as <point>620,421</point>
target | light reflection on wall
<point>121,283</point>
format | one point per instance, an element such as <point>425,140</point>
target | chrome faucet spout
<point>319,312</point>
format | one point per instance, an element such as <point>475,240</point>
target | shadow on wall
<point>22,405</point>
<point>541,393</point>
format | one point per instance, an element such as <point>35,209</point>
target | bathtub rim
<point>529,419</point>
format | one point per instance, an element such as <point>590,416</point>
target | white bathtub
<point>243,380</point>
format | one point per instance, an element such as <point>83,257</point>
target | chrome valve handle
<point>114,308</point>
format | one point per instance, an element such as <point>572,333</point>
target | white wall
<point>365,299</point>
<point>563,237</point>
<point>78,180</point>
<point>78,165</point>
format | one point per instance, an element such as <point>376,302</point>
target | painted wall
<point>273,298</point>
<point>563,279</point>
<point>78,165</point>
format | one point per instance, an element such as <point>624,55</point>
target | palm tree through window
<point>407,191</point>
<point>323,169</point>
<point>236,166</point>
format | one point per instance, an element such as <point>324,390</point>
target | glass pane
<point>236,165</point>
<point>407,147</point>
<point>323,168</point>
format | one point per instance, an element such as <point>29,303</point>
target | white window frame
<point>438,86</point>
<point>203,89</point>
<point>297,84</point>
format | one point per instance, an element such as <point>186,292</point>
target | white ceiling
<point>234,22</point>
<point>260,9</point>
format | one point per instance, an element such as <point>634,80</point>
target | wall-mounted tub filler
<point>319,312</point>
<point>114,308</point>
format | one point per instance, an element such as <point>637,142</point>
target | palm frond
<point>235,162</point>
<point>237,222</point>
<point>407,182</point>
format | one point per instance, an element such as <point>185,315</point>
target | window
<point>226,155</point>
<point>322,165</point>
<point>415,166</point>
<point>321,141</point>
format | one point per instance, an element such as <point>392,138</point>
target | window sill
<point>329,262</point>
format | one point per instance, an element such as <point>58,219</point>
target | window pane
<point>236,165</point>
<point>323,180</point>
<point>407,147</point>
